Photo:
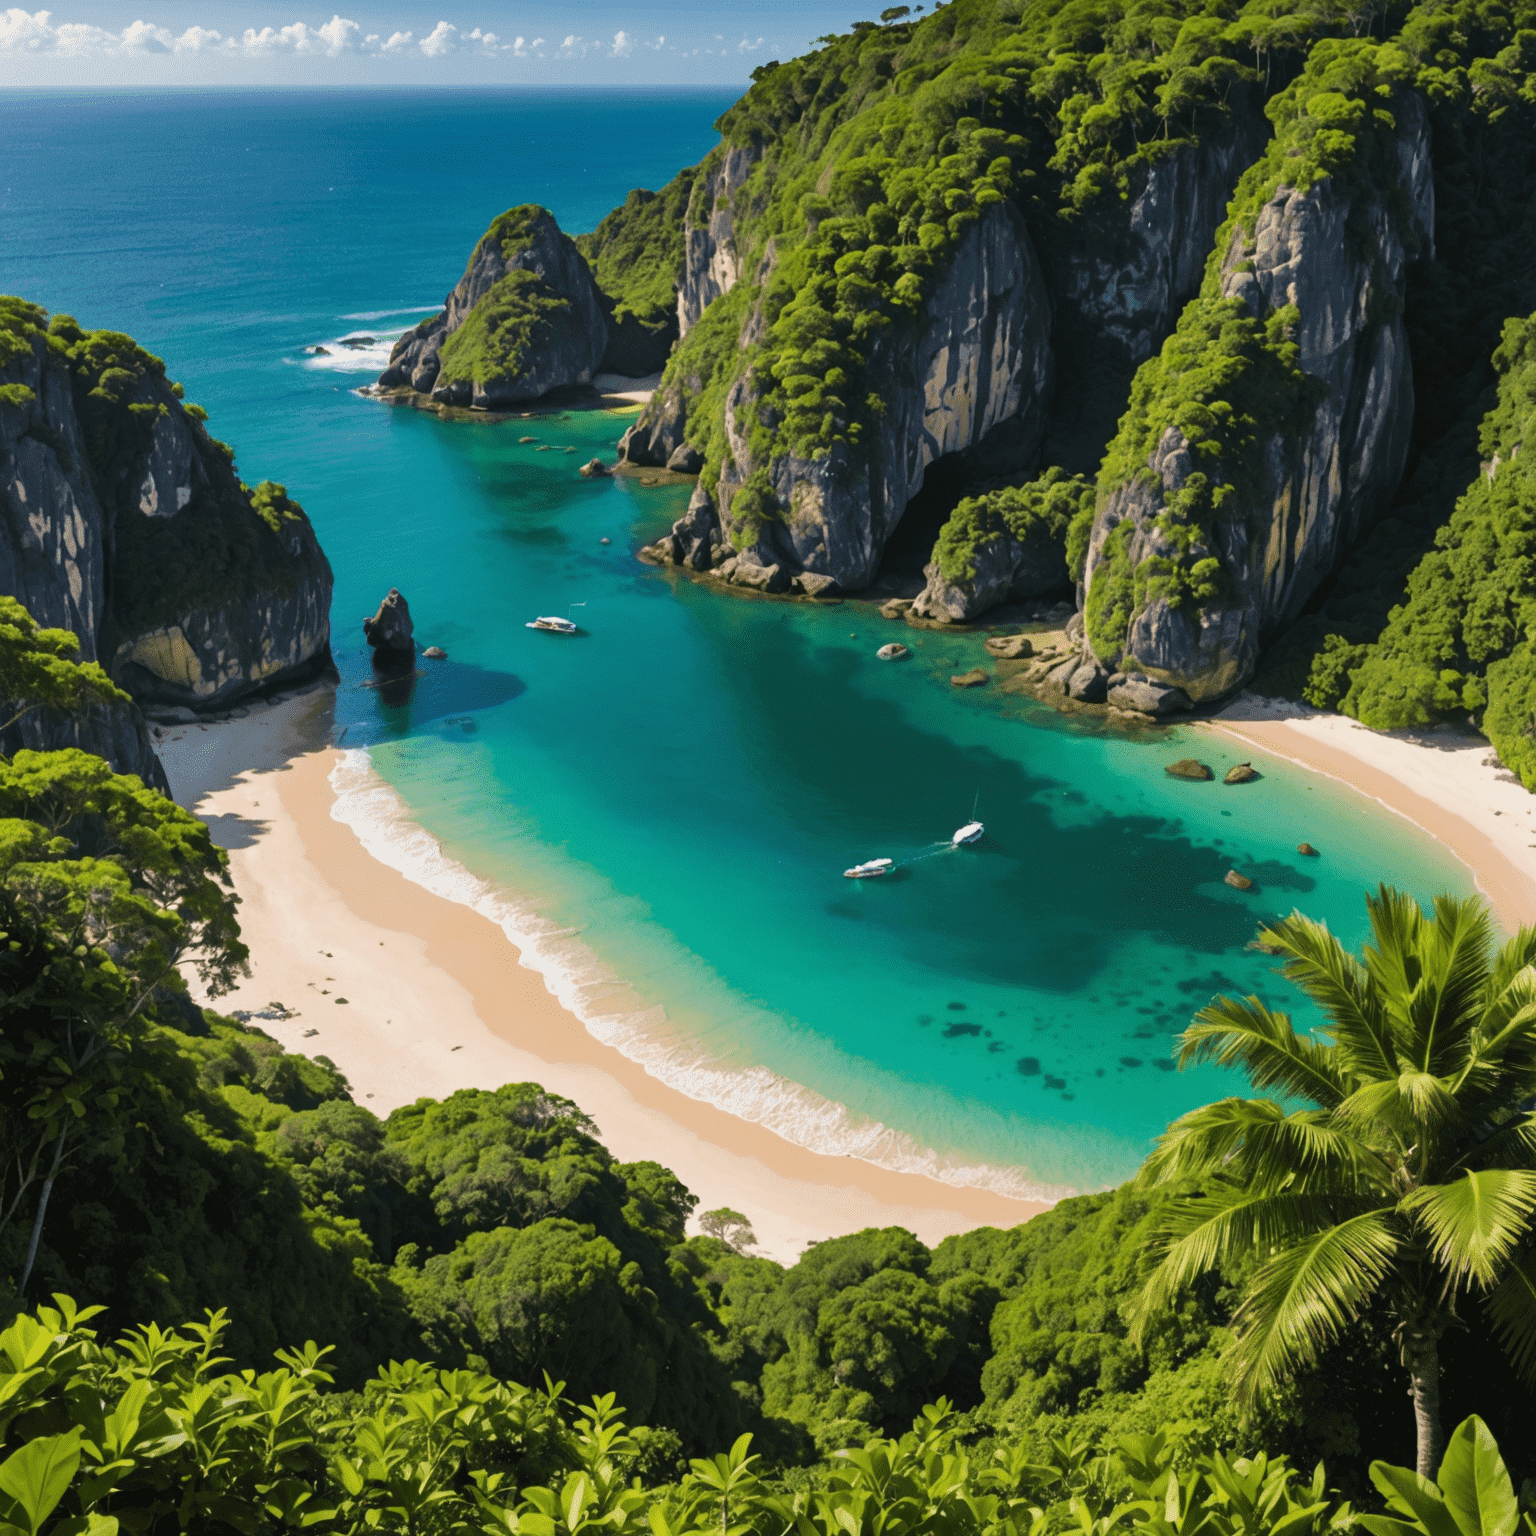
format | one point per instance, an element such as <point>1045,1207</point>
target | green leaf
<point>1410,1494</point>
<point>37,1476</point>
<point>1477,1221</point>
<point>1476,1483</point>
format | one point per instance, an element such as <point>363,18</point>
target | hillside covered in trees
<point>1258,272</point>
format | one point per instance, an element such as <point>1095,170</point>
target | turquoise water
<point>661,807</point>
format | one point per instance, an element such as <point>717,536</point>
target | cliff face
<point>969,375</point>
<point>1323,266</point>
<point>524,319</point>
<point>711,263</point>
<point>123,521</point>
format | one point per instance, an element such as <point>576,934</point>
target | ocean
<point>659,810</point>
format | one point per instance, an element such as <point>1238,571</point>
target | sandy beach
<point>1451,784</point>
<point>411,994</point>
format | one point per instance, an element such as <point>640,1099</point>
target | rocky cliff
<point>1227,499</point>
<point>123,521</point>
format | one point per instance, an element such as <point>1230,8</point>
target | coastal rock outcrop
<point>525,319</point>
<point>1188,596</point>
<point>711,263</point>
<point>123,521</point>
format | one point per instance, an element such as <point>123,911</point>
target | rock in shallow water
<point>1144,696</point>
<point>1188,768</point>
<point>390,629</point>
<point>1010,647</point>
<point>892,652</point>
<point>1242,773</point>
<point>1239,882</point>
<point>975,678</point>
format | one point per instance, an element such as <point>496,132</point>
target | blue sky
<point>126,43</point>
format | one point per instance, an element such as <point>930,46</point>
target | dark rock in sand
<point>1239,882</point>
<point>975,678</point>
<point>390,629</point>
<point>1243,773</point>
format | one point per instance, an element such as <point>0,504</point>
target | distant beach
<point>1450,784</point>
<point>411,995</point>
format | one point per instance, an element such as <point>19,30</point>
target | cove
<point>664,804</point>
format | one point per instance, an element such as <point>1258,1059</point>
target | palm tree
<point>1394,1162</point>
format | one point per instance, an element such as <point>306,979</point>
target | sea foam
<point>344,356</point>
<point>579,981</point>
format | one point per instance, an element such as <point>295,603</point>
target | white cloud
<point>340,35</point>
<point>37,33</point>
<point>745,47</point>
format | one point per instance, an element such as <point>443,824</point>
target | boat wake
<point>579,981</point>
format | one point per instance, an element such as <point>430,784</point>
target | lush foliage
<point>636,253</point>
<point>519,321</point>
<point>1037,516</point>
<point>154,1434</point>
<point>1464,641</point>
<point>40,668</point>
<point>1394,1163</point>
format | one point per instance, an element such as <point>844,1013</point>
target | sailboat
<point>555,625</point>
<point>972,830</point>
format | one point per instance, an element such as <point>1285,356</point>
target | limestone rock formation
<point>970,375</point>
<point>123,521</point>
<point>711,263</point>
<point>1336,252</point>
<point>525,319</point>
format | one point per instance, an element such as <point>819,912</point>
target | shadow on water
<point>403,696</point>
<point>1048,900</point>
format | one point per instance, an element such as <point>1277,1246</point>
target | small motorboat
<point>870,870</point>
<point>969,833</point>
<point>555,626</point>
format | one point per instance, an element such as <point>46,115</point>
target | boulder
<point>1089,684</point>
<point>892,652</point>
<point>685,459</point>
<point>813,585</point>
<point>595,469</point>
<point>749,572</point>
<point>435,653</point>
<point>1239,882</point>
<point>1010,647</point>
<point>390,629</point>
<point>975,678</point>
<point>1145,697</point>
<point>1242,773</point>
<point>896,608</point>
<point>1188,768</point>
<point>1306,850</point>
<point>527,439</point>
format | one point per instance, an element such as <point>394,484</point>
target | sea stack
<point>390,629</point>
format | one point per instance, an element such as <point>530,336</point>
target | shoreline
<point>1448,784</point>
<point>411,994</point>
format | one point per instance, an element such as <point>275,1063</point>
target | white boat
<point>555,626</point>
<point>870,870</point>
<point>969,833</point>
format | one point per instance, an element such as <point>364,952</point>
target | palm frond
<point>1203,1232</point>
<point>1510,1146</point>
<point>1515,955</point>
<point>1476,1222</point>
<point>1301,1300</point>
<point>1455,954</point>
<point>1340,985</point>
<point>1255,1142</point>
<point>1244,1033</point>
<point>1512,1306</point>
<point>1504,1042</point>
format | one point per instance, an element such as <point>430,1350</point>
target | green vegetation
<point>1464,640</point>
<point>40,668</point>
<point>1037,516</point>
<point>636,253</point>
<point>521,320</point>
